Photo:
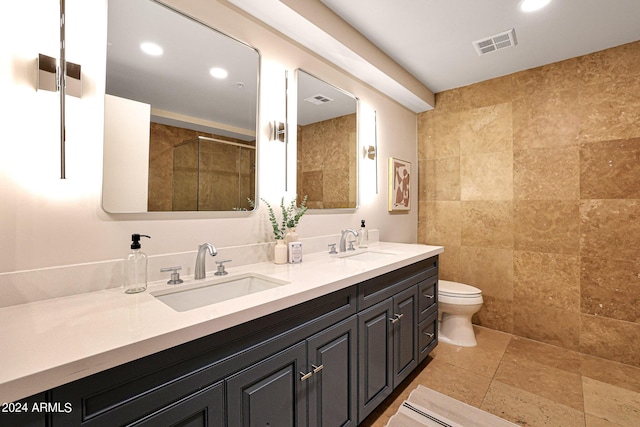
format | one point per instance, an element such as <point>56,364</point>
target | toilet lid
<point>456,289</point>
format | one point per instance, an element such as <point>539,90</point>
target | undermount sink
<point>216,290</point>
<point>366,255</point>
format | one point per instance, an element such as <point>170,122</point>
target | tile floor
<point>526,382</point>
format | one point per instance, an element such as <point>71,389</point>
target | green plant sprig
<point>278,230</point>
<point>290,216</point>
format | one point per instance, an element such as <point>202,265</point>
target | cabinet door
<point>375,357</point>
<point>405,333</point>
<point>271,392</point>
<point>332,388</point>
<point>204,409</point>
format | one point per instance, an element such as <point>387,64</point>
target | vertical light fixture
<point>279,129</point>
<point>63,90</point>
<point>53,77</point>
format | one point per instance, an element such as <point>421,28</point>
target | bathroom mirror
<point>327,144</point>
<point>180,113</point>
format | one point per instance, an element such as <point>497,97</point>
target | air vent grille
<point>496,42</point>
<point>318,99</point>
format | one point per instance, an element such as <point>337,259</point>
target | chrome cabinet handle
<point>396,317</point>
<point>429,334</point>
<point>316,369</point>
<point>428,296</point>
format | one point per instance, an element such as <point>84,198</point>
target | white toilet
<point>457,302</point>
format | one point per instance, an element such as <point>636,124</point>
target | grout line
<point>496,371</point>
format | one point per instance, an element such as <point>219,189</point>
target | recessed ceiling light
<point>151,49</point>
<point>219,73</point>
<point>532,5</point>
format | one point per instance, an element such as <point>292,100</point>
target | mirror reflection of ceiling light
<point>219,73</point>
<point>532,5</point>
<point>151,49</point>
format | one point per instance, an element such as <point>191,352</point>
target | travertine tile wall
<point>327,163</point>
<point>532,183</point>
<point>218,188</point>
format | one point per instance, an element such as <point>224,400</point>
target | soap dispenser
<point>364,236</point>
<point>135,267</point>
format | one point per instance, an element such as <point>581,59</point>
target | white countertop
<point>49,343</point>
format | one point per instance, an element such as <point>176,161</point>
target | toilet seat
<point>455,289</point>
<point>458,293</point>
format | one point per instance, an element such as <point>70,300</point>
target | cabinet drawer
<point>428,335</point>
<point>428,297</point>
<point>204,408</point>
<point>375,290</point>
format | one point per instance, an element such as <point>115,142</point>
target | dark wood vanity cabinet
<point>29,412</point>
<point>332,389</point>
<point>271,392</point>
<point>389,346</point>
<point>203,408</point>
<point>324,363</point>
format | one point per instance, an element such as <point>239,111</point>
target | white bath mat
<point>428,408</point>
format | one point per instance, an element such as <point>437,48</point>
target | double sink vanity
<point>320,343</point>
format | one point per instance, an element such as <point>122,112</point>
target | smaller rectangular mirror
<point>327,144</point>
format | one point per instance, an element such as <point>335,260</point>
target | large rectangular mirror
<point>327,144</point>
<point>180,113</point>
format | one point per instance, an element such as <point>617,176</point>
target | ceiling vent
<point>496,42</point>
<point>318,99</point>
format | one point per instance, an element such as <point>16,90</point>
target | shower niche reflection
<point>206,174</point>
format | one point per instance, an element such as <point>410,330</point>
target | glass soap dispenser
<point>135,267</point>
<point>363,236</point>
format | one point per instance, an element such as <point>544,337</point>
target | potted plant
<point>286,228</point>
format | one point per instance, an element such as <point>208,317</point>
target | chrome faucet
<point>201,271</point>
<point>343,238</point>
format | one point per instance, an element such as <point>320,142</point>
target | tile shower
<point>531,182</point>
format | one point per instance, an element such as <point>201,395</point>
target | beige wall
<point>532,183</point>
<point>46,222</point>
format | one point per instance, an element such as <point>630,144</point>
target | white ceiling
<point>179,80</point>
<point>432,39</point>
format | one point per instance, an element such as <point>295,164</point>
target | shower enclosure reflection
<point>213,175</point>
<point>198,171</point>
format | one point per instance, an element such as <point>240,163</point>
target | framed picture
<point>399,185</point>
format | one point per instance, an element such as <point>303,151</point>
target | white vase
<point>280,252</point>
<point>291,236</point>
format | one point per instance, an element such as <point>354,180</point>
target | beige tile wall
<point>532,183</point>
<point>327,163</point>
<point>219,184</point>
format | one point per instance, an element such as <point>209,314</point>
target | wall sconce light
<point>369,152</point>
<point>49,76</point>
<point>64,77</point>
<point>278,131</point>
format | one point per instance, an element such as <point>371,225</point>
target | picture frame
<point>399,185</point>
